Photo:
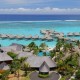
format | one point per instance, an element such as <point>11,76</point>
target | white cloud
<point>46,10</point>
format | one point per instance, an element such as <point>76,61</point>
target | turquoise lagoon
<point>33,28</point>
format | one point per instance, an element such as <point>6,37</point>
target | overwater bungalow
<point>10,36</point>
<point>4,36</point>
<point>19,36</point>
<point>43,38</point>
<point>67,39</point>
<point>61,34</point>
<point>43,31</point>
<point>73,40</point>
<point>49,39</point>
<point>35,37</point>
<point>60,37</point>
<point>70,34</point>
<point>28,37</point>
<point>55,32</point>
<point>76,34</point>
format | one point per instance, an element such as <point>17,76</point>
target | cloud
<point>46,10</point>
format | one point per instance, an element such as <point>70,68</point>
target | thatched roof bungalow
<point>35,62</point>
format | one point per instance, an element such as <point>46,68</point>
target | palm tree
<point>43,46</point>
<point>15,66</point>
<point>22,59</point>
<point>32,45</point>
<point>58,45</point>
<point>26,67</point>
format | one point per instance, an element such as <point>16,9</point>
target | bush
<point>11,54</point>
<point>78,74</point>
<point>43,75</point>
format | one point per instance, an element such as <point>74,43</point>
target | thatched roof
<point>36,61</point>
<point>44,67</point>
<point>24,54</point>
<point>5,57</point>
<point>13,48</point>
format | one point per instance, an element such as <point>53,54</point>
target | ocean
<point>32,24</point>
<point>17,17</point>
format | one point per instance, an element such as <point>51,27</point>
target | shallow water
<point>33,28</point>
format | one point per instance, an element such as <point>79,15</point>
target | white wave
<point>37,21</point>
<point>72,20</point>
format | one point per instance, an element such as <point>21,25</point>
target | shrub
<point>11,54</point>
<point>43,75</point>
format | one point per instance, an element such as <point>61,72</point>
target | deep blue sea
<point>32,24</point>
<point>17,17</point>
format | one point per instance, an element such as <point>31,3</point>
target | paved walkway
<point>53,76</point>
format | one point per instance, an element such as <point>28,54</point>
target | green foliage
<point>4,75</point>
<point>43,75</point>
<point>43,46</point>
<point>78,75</point>
<point>44,54</point>
<point>36,51</point>
<point>11,54</point>
<point>22,59</point>
<point>15,66</point>
<point>25,68</point>
<point>32,45</point>
<point>51,54</point>
<point>59,45</point>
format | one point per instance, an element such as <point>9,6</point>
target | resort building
<point>16,48</point>
<point>44,64</point>
<point>4,66</point>
<point>24,54</point>
<point>4,61</point>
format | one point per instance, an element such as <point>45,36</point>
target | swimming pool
<point>33,28</point>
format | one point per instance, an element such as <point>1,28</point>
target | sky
<point>39,6</point>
